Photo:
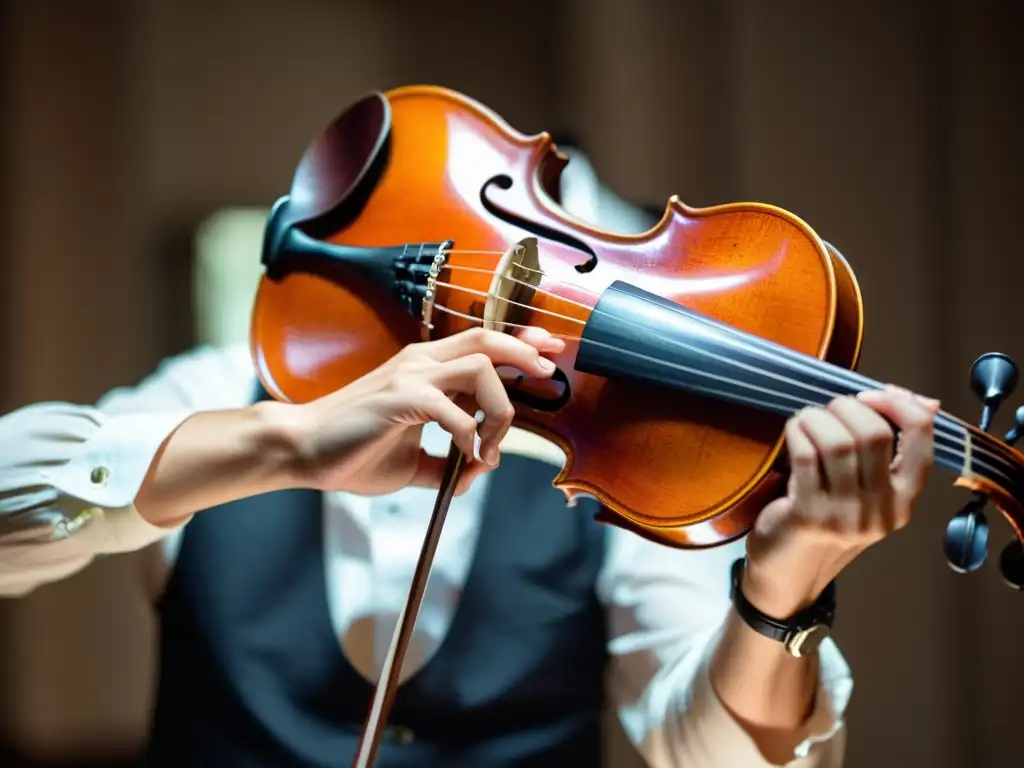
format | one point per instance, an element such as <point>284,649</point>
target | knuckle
<point>465,430</point>
<point>406,371</point>
<point>803,457</point>
<point>920,422</point>
<point>412,351</point>
<point>876,438</point>
<point>804,413</point>
<point>841,447</point>
<point>478,335</point>
<point>840,404</point>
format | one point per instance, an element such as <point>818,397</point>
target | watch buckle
<point>806,641</point>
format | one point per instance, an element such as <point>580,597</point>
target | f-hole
<point>505,182</point>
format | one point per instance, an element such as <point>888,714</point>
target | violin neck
<point>635,335</point>
<point>638,335</point>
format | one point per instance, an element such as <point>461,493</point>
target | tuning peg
<point>1011,564</point>
<point>966,541</point>
<point>993,377</point>
<point>1017,430</point>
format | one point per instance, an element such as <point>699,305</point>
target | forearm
<point>216,457</point>
<point>767,691</point>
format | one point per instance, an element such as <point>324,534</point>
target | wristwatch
<point>802,633</point>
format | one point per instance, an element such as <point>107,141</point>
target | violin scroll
<point>994,377</point>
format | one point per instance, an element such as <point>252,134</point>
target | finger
<point>475,375</point>
<point>501,348</point>
<point>430,471</point>
<point>914,417</point>
<point>836,448</point>
<point>803,459</point>
<point>874,440</point>
<point>540,338</point>
<point>469,474</point>
<point>434,405</point>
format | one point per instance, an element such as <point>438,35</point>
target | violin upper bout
<point>343,164</point>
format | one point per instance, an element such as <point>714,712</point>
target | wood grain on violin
<point>420,213</point>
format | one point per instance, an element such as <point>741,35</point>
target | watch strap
<point>794,630</point>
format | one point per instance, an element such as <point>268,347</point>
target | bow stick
<point>384,692</point>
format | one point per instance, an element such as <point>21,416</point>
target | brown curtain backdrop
<point>890,127</point>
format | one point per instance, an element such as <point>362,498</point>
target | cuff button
<point>99,475</point>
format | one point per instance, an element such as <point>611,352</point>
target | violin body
<point>423,171</point>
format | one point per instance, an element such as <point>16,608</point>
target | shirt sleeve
<point>666,611</point>
<point>69,473</point>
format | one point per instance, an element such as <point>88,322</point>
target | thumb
<point>774,518</point>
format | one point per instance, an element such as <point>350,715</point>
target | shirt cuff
<point>820,745</point>
<point>835,688</point>
<point>108,469</point>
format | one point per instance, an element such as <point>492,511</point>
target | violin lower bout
<point>723,505</point>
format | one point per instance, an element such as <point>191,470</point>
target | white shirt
<point>69,475</point>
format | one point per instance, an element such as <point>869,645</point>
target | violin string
<point>839,378</point>
<point>960,443</point>
<point>959,433</point>
<point>532,308</point>
<point>504,323</point>
<point>823,374</point>
<point>728,361</point>
<point>580,304</point>
<point>542,273</point>
<point>958,439</point>
<point>954,451</point>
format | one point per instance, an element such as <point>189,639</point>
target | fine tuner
<point>994,376</point>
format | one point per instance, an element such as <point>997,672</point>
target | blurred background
<point>143,141</point>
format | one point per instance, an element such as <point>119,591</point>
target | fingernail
<point>546,365</point>
<point>476,447</point>
<point>492,456</point>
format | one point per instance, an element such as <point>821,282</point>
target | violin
<point>420,213</point>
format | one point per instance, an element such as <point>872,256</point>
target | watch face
<point>807,641</point>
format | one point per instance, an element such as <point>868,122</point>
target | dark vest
<point>252,673</point>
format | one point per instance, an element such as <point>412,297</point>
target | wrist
<point>800,630</point>
<point>780,595</point>
<point>215,457</point>
<point>281,440</point>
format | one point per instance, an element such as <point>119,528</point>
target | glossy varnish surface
<point>687,471</point>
